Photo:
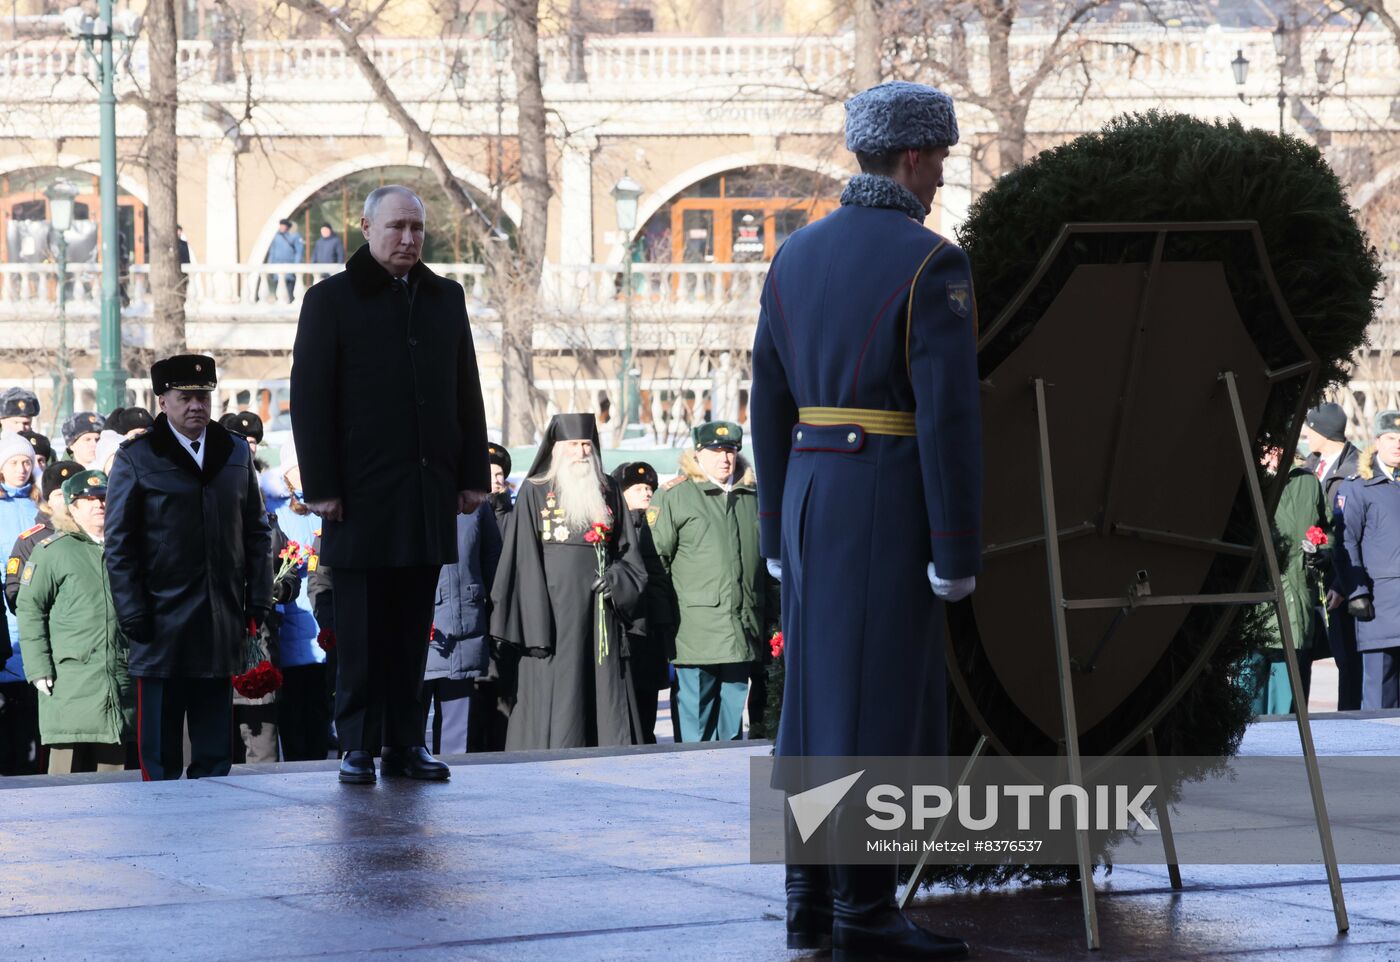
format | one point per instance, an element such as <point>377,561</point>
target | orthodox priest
<point>571,574</point>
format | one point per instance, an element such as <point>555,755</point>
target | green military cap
<point>1387,422</point>
<point>718,434</point>
<point>85,484</point>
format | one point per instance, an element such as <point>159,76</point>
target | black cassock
<point>574,687</point>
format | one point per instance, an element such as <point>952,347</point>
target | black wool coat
<point>387,413</point>
<point>188,553</point>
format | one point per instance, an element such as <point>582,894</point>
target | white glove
<point>44,686</point>
<point>955,590</point>
<point>775,568</point>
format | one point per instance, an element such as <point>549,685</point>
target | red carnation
<point>1316,535</point>
<point>776,645</point>
<point>326,639</point>
<point>597,534</point>
<point>262,680</point>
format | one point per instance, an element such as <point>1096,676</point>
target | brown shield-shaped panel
<point>1174,468</point>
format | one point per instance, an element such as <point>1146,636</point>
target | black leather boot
<point>808,898</point>
<point>868,925</point>
<point>808,907</point>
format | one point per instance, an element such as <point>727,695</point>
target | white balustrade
<point>1173,62</point>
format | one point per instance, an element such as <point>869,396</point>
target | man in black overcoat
<point>391,437</point>
<point>188,550</point>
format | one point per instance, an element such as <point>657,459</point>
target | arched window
<point>452,238</point>
<point>738,216</point>
<point>24,214</point>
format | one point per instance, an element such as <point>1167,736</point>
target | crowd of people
<point>574,607</point>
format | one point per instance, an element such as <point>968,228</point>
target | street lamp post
<point>625,195</point>
<point>1282,35</point>
<point>98,35</point>
<point>60,195</point>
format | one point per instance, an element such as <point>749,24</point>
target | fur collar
<point>873,190</point>
<point>161,438</point>
<point>369,277</point>
<point>66,523</point>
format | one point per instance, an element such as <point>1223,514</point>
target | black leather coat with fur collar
<point>188,552</point>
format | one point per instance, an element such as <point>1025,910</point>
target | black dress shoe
<point>413,763</point>
<point>357,768</point>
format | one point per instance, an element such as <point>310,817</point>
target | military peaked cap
<point>718,434</point>
<point>184,372</point>
<point>85,484</point>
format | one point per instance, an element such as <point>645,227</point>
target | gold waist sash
<point>872,421</point>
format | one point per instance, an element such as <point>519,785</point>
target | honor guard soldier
<point>18,409</point>
<point>868,441</point>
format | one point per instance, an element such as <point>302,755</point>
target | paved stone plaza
<point>639,855</point>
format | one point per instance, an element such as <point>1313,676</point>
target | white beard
<point>578,488</point>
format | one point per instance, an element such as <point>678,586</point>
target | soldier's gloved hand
<point>1362,609</point>
<point>600,585</point>
<point>775,568</point>
<point>43,686</point>
<point>955,589</point>
<point>286,590</point>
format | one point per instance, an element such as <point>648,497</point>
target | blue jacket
<point>328,250</point>
<point>460,645</point>
<point>1367,558</point>
<point>16,516</point>
<point>286,248</point>
<point>866,308</point>
<point>296,642</point>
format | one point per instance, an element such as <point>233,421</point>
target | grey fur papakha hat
<point>899,116</point>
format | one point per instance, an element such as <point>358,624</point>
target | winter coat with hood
<point>69,631</point>
<point>1368,551</point>
<point>707,540</point>
<point>297,639</point>
<point>460,644</point>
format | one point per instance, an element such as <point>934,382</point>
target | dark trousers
<point>1381,679</point>
<point>163,706</point>
<point>304,714</point>
<point>19,729</point>
<point>382,619</point>
<point>1341,638</point>
<point>490,716</point>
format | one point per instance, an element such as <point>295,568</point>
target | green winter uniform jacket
<point>68,632</point>
<point>1299,508</point>
<point>707,540</point>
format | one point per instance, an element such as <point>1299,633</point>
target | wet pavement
<point>639,855</point>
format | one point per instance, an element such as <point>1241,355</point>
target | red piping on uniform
<point>140,750</point>
<point>855,381</point>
